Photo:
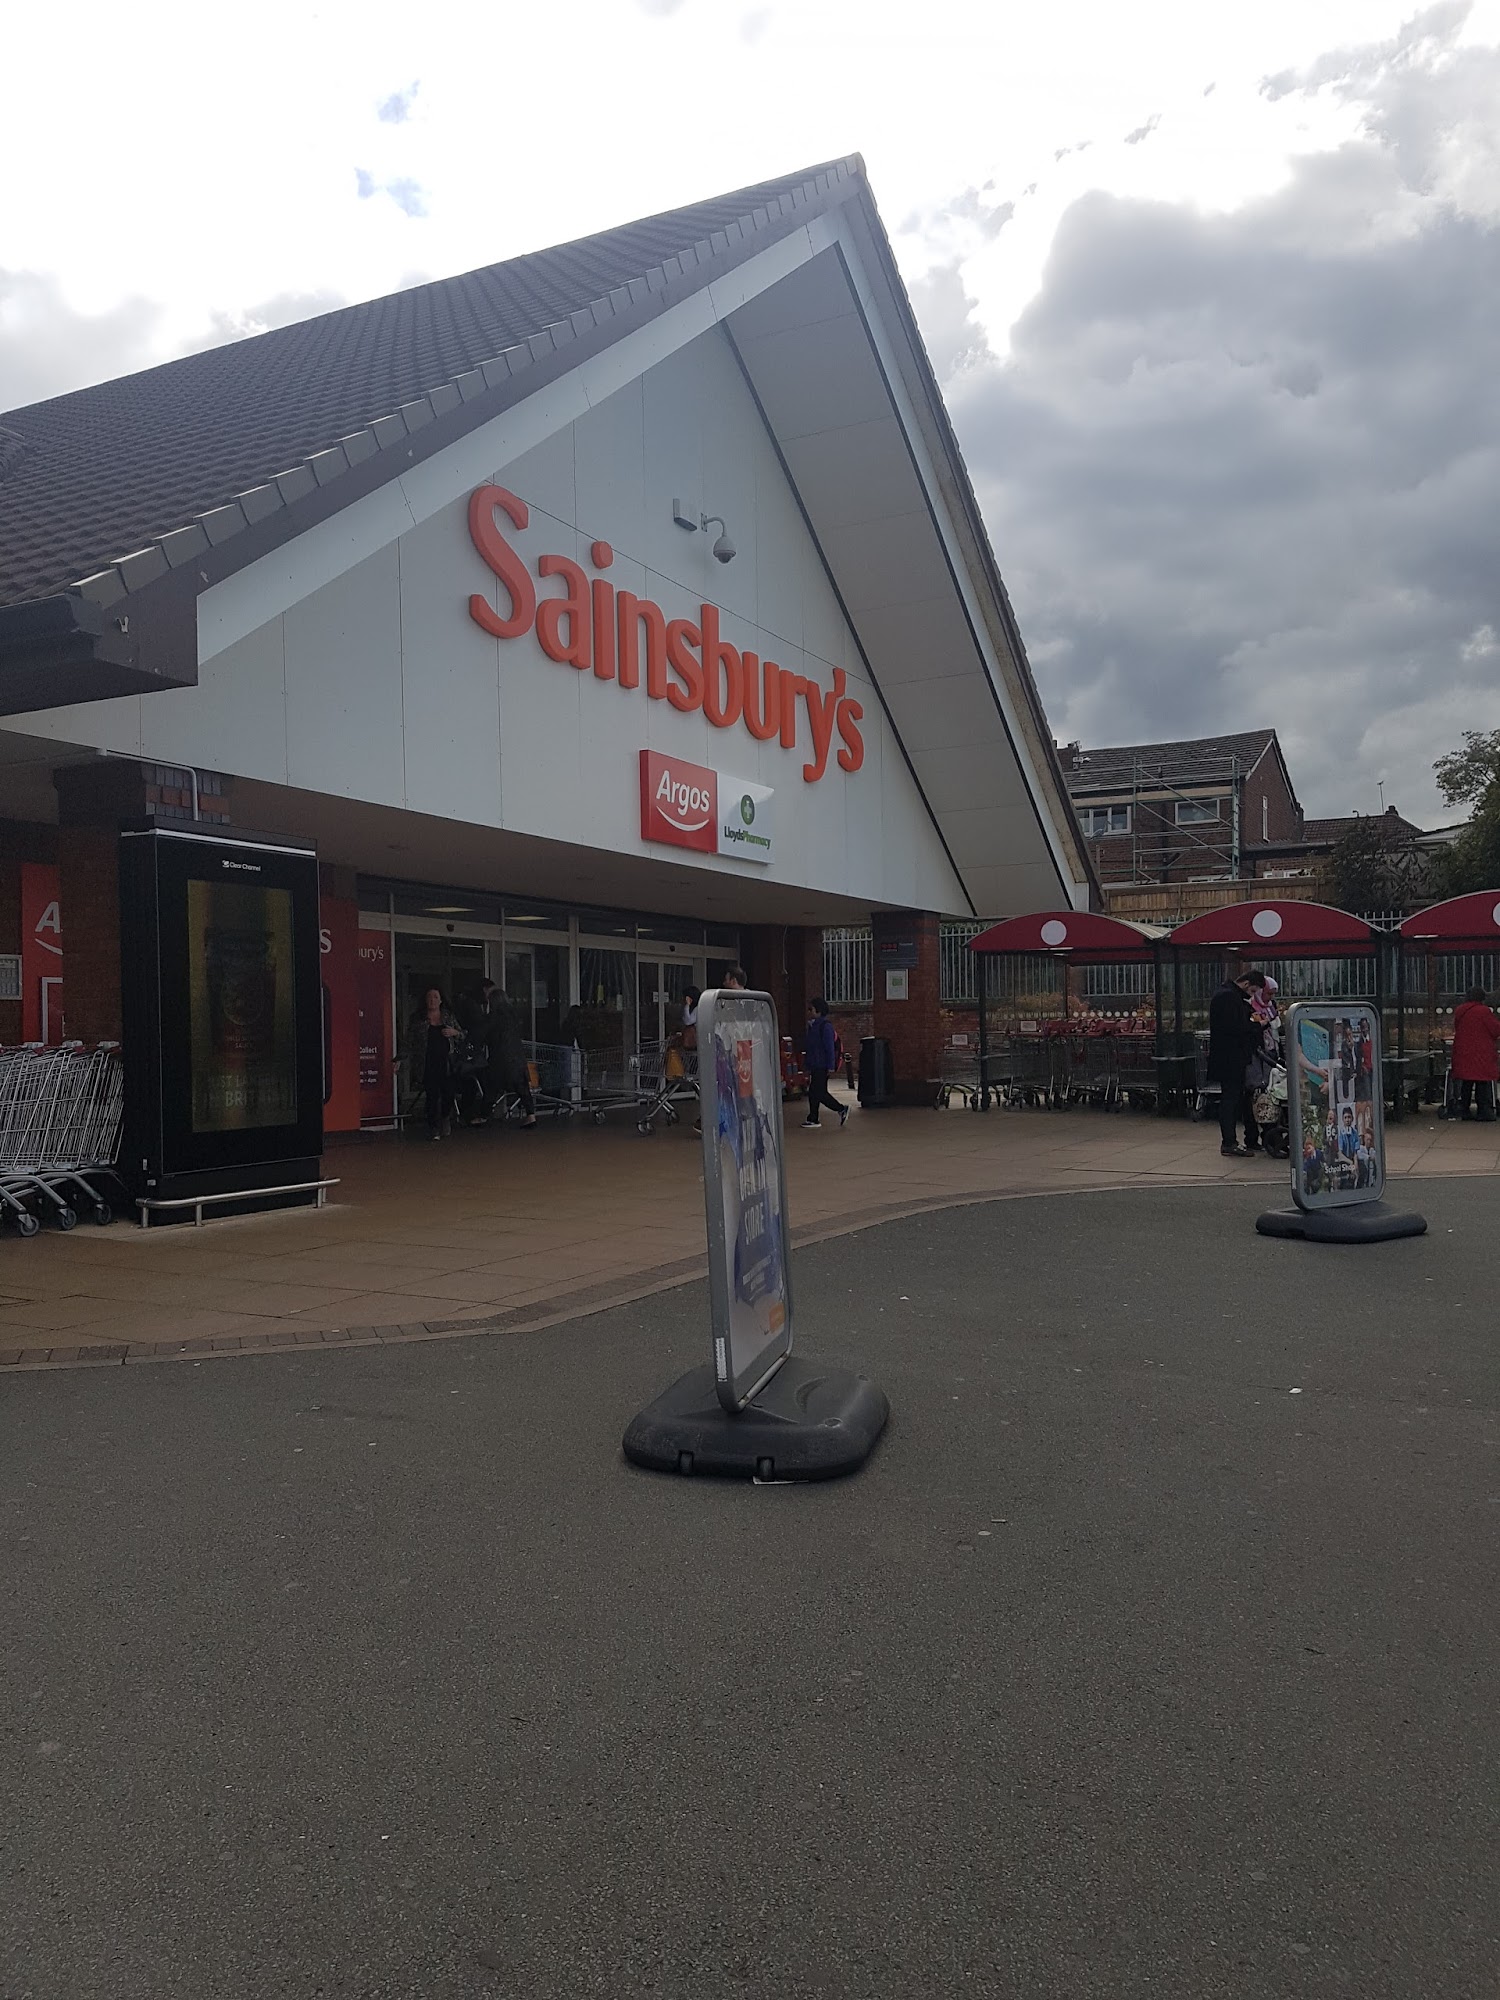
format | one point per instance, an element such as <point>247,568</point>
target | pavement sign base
<point>1368,1222</point>
<point>810,1421</point>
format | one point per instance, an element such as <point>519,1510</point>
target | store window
<point>604,1021</point>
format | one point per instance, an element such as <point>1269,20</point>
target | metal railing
<point>848,966</point>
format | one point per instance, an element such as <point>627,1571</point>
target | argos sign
<point>617,636</point>
<point>688,805</point>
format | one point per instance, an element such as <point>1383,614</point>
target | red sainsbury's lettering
<point>592,625</point>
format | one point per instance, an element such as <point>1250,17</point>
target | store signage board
<point>1335,1102</point>
<point>896,952</point>
<point>707,811</point>
<point>744,1191</point>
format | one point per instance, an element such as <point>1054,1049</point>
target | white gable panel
<point>944,714</point>
<point>450,695</point>
<point>816,377</point>
<point>846,476</point>
<point>919,639</point>
<point>234,720</point>
<point>344,730</point>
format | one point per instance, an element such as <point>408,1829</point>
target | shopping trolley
<point>610,1082</point>
<point>1136,1078</point>
<point>1027,1077</point>
<point>555,1072</point>
<point>667,1075</point>
<point>958,1076</point>
<point>60,1114</point>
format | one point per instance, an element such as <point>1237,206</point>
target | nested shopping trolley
<point>60,1112</point>
<point>667,1075</point>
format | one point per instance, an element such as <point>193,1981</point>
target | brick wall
<point>89,890</point>
<point>912,1026</point>
<point>19,841</point>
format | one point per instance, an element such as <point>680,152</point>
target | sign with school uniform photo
<point>744,1190</point>
<point>1334,1098</point>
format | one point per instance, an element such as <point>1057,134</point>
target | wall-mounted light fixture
<point>723,550</point>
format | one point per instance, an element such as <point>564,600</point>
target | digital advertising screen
<point>222,1000</point>
<point>241,1001</point>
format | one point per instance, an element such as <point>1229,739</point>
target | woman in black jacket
<point>430,1037</point>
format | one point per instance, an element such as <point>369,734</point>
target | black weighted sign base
<point>809,1422</point>
<point>1360,1222</point>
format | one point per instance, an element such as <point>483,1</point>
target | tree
<point>1470,776</point>
<point>1374,866</point>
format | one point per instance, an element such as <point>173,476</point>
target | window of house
<point>1194,812</point>
<point>1097,821</point>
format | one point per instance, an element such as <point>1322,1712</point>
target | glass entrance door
<point>662,986</point>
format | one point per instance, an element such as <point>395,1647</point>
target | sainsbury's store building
<point>596,617</point>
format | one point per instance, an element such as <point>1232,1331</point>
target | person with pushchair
<point>1234,1041</point>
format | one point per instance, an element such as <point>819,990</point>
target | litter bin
<point>876,1083</point>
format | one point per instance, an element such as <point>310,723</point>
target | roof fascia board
<point>274,580</point>
<point>1075,874</point>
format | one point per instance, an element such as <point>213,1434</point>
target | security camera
<point>724,550</point>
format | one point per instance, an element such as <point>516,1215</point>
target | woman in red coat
<point>1476,1030</point>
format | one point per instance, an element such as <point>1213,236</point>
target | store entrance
<point>661,987</point>
<point>533,980</point>
<point>454,966</point>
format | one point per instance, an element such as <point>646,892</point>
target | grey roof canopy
<point>90,477</point>
<point>122,503</point>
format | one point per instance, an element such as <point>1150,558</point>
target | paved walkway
<point>511,1229</point>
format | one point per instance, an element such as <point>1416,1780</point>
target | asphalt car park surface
<point>1153,1652</point>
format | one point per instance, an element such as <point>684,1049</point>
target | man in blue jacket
<point>820,1053</point>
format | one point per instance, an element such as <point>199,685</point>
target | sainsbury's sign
<point>687,663</point>
<point>688,805</point>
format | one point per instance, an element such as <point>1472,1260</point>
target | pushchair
<point>1269,1107</point>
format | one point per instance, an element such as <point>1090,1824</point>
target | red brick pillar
<point>88,883</point>
<point>95,800</point>
<point>906,952</point>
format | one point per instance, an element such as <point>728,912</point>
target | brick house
<point>1204,810</point>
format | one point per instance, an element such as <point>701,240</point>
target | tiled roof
<point>1198,761</point>
<point>1320,832</point>
<point>92,477</point>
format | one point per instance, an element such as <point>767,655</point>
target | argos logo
<point>679,802</point>
<point>616,636</point>
<point>687,806</point>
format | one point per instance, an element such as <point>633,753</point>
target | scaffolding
<point>1162,843</point>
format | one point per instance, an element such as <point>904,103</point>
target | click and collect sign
<point>744,1191</point>
<point>689,805</point>
<point>1335,1105</point>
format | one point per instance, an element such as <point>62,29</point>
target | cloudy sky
<point>1213,289</point>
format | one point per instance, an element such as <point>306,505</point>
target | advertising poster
<point>745,1191</point>
<point>1336,1103</point>
<point>41,953</point>
<point>241,1006</point>
<point>377,1046</point>
<point>338,954</point>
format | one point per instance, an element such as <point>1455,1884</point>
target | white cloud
<point>297,164</point>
